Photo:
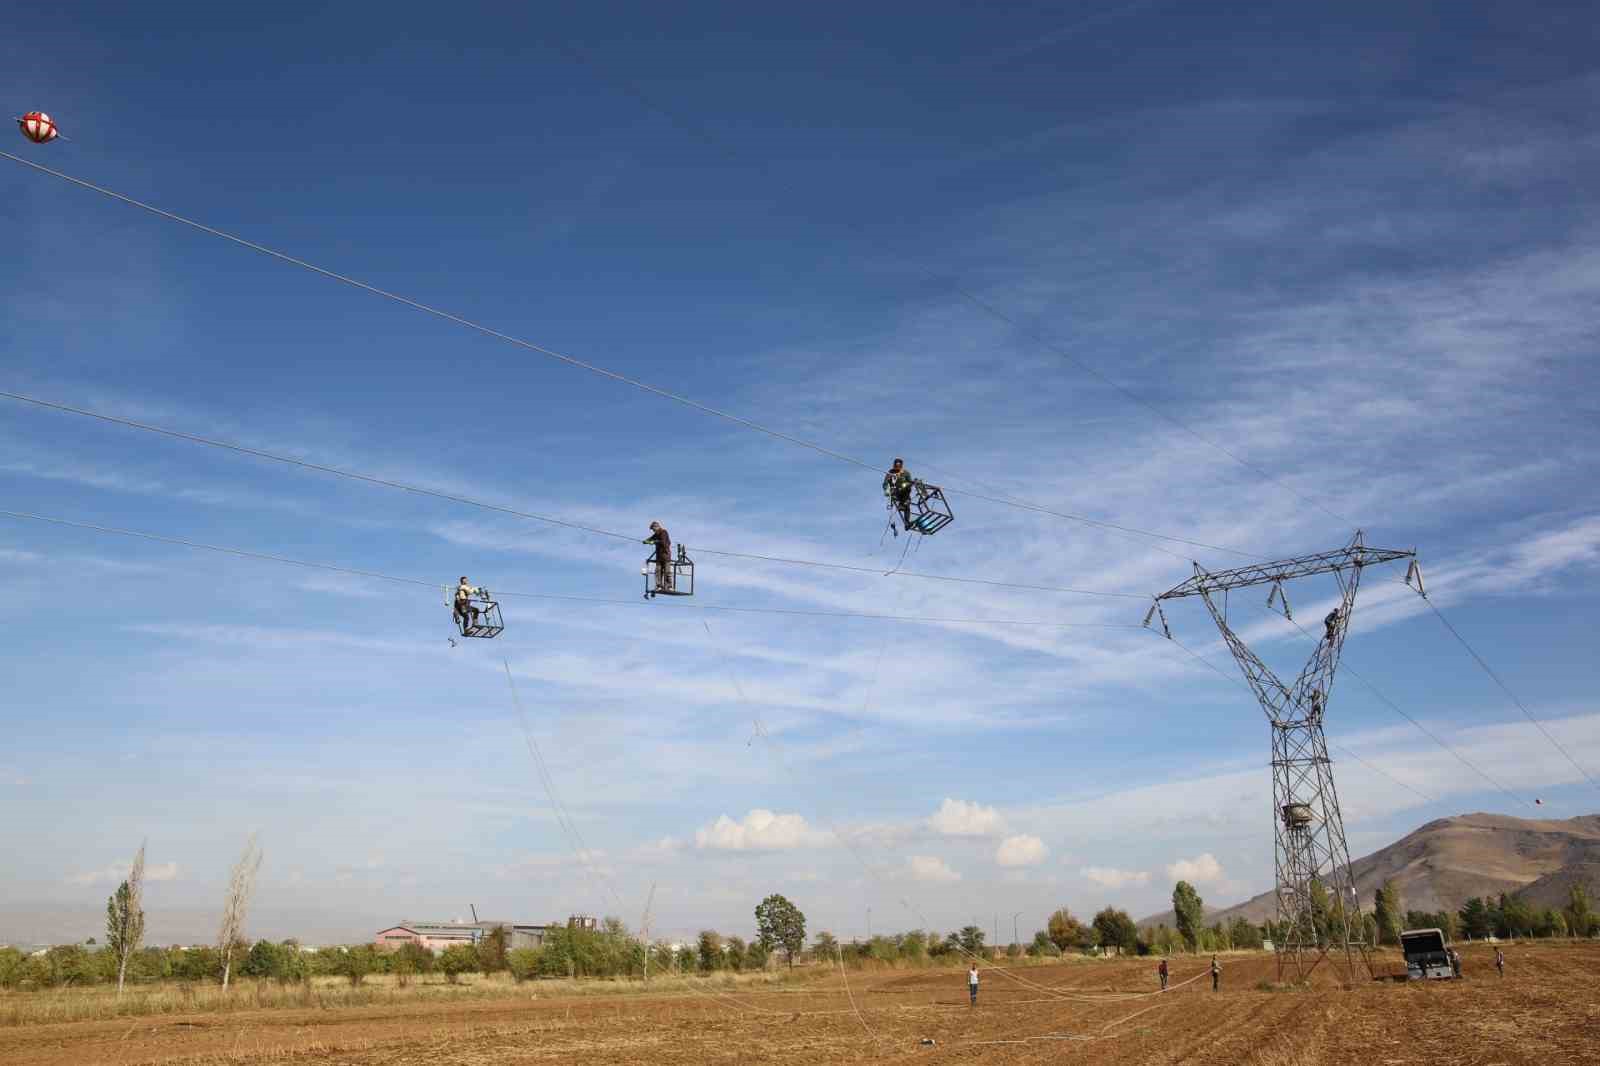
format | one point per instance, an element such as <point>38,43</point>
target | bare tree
<point>125,918</point>
<point>241,882</point>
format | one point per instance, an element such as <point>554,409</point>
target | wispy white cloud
<point>1437,397</point>
<point>160,871</point>
<point>1201,870</point>
<point>931,868</point>
<point>1111,877</point>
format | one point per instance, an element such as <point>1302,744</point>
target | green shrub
<point>523,964</point>
<point>457,960</point>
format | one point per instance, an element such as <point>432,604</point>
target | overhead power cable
<point>569,827</point>
<point>1214,668</point>
<point>1159,411</point>
<point>453,497</point>
<point>733,153</point>
<point>581,364</point>
<point>1454,632</point>
<point>246,553</point>
<point>1396,708</point>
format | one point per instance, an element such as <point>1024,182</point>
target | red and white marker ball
<point>38,127</point>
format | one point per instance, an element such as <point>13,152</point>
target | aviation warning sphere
<point>38,127</point>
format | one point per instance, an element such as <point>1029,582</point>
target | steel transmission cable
<point>988,308</point>
<point>1454,632</point>
<point>1214,668</point>
<point>1155,409</point>
<point>581,364</point>
<point>246,553</point>
<point>1396,708</point>
<point>453,497</point>
<point>569,828</point>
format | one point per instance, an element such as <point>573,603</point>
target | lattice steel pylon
<point>1310,854</point>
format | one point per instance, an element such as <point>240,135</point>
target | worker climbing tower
<point>1318,910</point>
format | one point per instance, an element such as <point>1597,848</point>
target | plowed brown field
<point>1546,1011</point>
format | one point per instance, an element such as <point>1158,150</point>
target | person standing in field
<point>1161,972</point>
<point>1500,962</point>
<point>1216,974</point>
<point>972,984</point>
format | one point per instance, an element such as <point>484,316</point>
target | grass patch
<point>100,1003</point>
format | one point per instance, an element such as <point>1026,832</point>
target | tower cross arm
<point>1284,570</point>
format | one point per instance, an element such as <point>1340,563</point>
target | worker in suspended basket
<point>658,536</point>
<point>897,486</point>
<point>465,613</point>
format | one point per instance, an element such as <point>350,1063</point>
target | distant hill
<point>1553,890</point>
<point>1450,860</point>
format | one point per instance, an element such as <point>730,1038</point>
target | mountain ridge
<point>1444,862</point>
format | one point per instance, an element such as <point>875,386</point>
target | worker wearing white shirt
<point>464,608</point>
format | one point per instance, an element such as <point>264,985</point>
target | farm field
<point>1546,1011</point>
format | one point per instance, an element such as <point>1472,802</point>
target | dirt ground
<point>1546,1011</point>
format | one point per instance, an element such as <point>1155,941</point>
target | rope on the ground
<point>839,955</point>
<point>1103,1033</point>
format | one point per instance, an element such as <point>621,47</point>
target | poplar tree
<point>1189,911</point>
<point>125,918</point>
<point>241,883</point>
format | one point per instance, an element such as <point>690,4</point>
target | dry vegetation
<point>1546,1012</point>
<point>101,1002</point>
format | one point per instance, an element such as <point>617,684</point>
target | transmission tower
<point>1310,853</point>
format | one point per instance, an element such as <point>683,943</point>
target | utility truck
<point>1427,955</point>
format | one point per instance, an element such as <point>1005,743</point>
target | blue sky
<point>1355,244</point>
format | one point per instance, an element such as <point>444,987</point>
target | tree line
<point>611,950</point>
<point>1485,916</point>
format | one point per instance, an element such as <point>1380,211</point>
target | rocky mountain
<point>1447,861</point>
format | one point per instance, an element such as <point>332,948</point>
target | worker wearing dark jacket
<point>897,486</point>
<point>658,536</point>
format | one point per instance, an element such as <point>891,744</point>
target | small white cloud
<point>931,868</point>
<point>1111,877</point>
<point>958,818</point>
<point>115,875</point>
<point>1023,850</point>
<point>1202,869</point>
<point>761,830</point>
<point>668,845</point>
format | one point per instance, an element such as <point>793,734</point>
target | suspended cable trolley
<point>474,611</point>
<point>921,507</point>
<point>673,578</point>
